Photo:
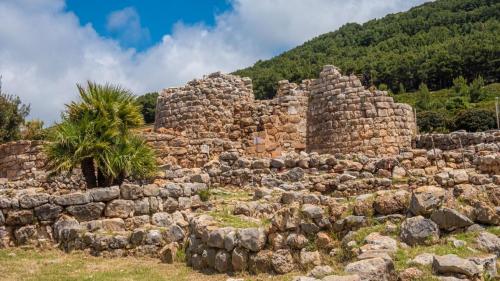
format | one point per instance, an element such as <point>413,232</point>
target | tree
<point>423,97</point>
<point>475,120</point>
<point>460,86</point>
<point>148,103</point>
<point>12,115</point>
<point>476,92</point>
<point>95,135</point>
<point>431,121</point>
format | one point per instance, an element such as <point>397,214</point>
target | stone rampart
<point>344,117</point>
<point>21,159</point>
<point>457,140</point>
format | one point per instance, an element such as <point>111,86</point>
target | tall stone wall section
<point>344,117</point>
<point>21,159</point>
<point>197,122</point>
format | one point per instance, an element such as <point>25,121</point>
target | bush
<point>95,135</point>
<point>12,114</point>
<point>474,120</point>
<point>33,130</point>
<point>431,121</point>
<point>476,91</point>
<point>460,86</point>
<point>423,98</point>
<point>455,103</point>
<point>148,106</point>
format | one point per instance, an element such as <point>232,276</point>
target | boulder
<point>168,253</point>
<point>423,259</point>
<point>426,199</point>
<point>260,262</point>
<point>63,223</point>
<point>312,211</point>
<point>486,264</point>
<point>418,231</point>
<point>296,241</point>
<point>120,208</point>
<point>489,242</point>
<point>282,261</point>
<point>295,174</point>
<point>77,198</point>
<point>390,202</point>
<point>25,234</point>
<point>161,219</point>
<point>410,274</point>
<point>216,237</point>
<point>130,191</point>
<point>459,176</point>
<point>86,212</point>
<point>450,219</point>
<point>2,219</point>
<point>239,259</point>
<point>309,258</point>
<point>19,218</point>
<point>174,233</point>
<point>452,264</point>
<point>222,261</point>
<point>48,212</point>
<point>320,271</point>
<point>104,194</point>
<point>252,239</point>
<point>30,201</point>
<point>376,269</point>
<point>277,163</point>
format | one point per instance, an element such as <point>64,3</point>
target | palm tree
<point>95,136</point>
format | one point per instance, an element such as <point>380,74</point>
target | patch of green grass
<point>51,265</point>
<point>494,229</point>
<point>240,195</point>
<point>361,233</point>
<point>225,218</point>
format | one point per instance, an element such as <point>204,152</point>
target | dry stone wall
<point>21,159</point>
<point>332,114</point>
<point>457,140</point>
<point>344,117</point>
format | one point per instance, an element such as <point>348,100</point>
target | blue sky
<point>47,46</point>
<point>157,16</point>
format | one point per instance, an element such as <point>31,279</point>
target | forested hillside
<point>432,44</point>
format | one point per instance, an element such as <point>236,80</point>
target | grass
<point>494,229</point>
<point>225,218</point>
<point>53,265</point>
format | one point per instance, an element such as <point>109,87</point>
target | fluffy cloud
<point>44,50</point>
<point>126,25</point>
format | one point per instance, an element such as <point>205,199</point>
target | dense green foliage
<point>474,120</point>
<point>148,104</point>
<point>12,115</point>
<point>433,43</point>
<point>95,135</point>
<point>449,109</point>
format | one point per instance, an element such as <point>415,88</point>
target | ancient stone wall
<point>457,140</point>
<point>219,113</point>
<point>344,117</point>
<point>21,159</point>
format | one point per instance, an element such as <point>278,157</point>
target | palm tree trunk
<point>103,180</point>
<point>119,180</point>
<point>88,171</point>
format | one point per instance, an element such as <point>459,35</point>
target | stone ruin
<point>332,114</point>
<point>275,186</point>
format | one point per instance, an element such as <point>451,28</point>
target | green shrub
<point>474,120</point>
<point>455,103</point>
<point>423,98</point>
<point>12,114</point>
<point>205,195</point>
<point>33,130</point>
<point>431,121</point>
<point>148,106</point>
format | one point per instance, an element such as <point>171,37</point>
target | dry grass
<point>54,265</point>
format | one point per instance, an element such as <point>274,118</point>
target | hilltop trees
<point>432,43</point>
<point>95,135</point>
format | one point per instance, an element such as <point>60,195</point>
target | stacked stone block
<point>344,117</point>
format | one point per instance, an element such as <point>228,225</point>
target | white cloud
<point>126,25</point>
<point>44,50</point>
